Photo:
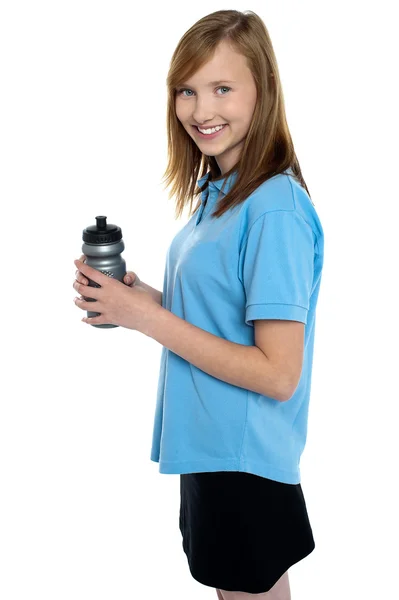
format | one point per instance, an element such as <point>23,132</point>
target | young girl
<point>243,276</point>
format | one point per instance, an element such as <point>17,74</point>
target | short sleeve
<point>276,267</point>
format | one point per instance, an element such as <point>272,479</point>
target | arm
<point>243,366</point>
<point>156,294</point>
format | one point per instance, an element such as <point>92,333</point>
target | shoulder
<point>280,198</point>
<point>281,192</point>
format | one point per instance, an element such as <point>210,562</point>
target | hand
<point>79,276</point>
<point>119,304</point>
<point>131,278</point>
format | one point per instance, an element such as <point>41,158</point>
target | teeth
<point>213,130</point>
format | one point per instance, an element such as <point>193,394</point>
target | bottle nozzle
<point>101,222</point>
<point>102,232</point>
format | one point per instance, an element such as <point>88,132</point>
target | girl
<point>241,283</point>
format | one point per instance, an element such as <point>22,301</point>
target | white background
<point>84,513</point>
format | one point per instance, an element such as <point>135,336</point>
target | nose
<point>202,113</point>
<point>203,122</point>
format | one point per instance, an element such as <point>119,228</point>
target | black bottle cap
<point>101,233</point>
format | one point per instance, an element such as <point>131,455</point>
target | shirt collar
<point>217,185</point>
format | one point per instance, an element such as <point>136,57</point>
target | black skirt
<point>241,532</point>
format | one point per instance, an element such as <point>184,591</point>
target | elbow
<point>286,390</point>
<point>285,396</point>
<point>278,390</point>
<point>282,382</point>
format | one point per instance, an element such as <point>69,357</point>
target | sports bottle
<point>103,246</point>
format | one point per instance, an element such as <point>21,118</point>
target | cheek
<point>181,110</point>
<point>178,111</point>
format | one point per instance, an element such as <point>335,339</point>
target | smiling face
<point>231,102</point>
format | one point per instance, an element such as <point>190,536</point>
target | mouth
<point>209,136</point>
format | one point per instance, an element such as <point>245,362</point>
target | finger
<point>94,320</point>
<point>91,273</point>
<point>80,278</point>
<point>129,278</point>
<point>87,291</point>
<point>82,258</point>
<point>85,304</point>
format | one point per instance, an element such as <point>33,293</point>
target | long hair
<point>268,148</point>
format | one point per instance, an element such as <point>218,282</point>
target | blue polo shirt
<point>262,259</point>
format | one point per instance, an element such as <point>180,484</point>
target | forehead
<point>225,66</point>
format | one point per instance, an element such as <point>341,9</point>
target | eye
<point>181,90</point>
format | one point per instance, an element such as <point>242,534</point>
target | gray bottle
<point>102,247</point>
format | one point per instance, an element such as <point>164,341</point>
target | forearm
<point>244,366</point>
<point>155,294</point>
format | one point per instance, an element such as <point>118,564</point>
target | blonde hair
<point>268,148</point>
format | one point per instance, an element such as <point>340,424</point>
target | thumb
<point>130,277</point>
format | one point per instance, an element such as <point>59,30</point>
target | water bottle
<point>103,245</point>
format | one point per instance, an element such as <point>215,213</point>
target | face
<point>202,103</point>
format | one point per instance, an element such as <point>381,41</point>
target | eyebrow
<point>212,83</point>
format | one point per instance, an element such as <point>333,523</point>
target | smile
<point>209,136</point>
